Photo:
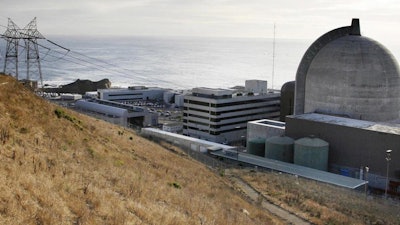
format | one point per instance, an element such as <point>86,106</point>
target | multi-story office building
<point>221,116</point>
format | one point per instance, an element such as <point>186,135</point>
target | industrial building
<point>173,127</point>
<point>227,152</point>
<point>353,144</point>
<point>264,128</point>
<point>131,94</point>
<point>118,113</point>
<point>346,104</point>
<point>221,116</point>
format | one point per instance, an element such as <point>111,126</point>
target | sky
<point>309,19</point>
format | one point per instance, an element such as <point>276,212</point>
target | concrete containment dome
<point>287,99</point>
<point>346,74</point>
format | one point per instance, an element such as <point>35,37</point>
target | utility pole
<point>388,158</point>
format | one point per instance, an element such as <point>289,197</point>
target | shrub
<point>23,130</point>
<point>91,152</point>
<point>60,113</point>
<point>175,185</point>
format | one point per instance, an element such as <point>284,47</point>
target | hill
<point>60,167</point>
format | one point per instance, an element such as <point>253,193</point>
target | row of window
<point>131,94</point>
<point>219,105</point>
<point>185,114</point>
<point>185,117</point>
<point>210,132</point>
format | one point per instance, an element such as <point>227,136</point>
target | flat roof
<point>392,128</point>
<point>183,137</point>
<point>212,91</point>
<point>270,123</point>
<point>130,90</point>
<point>306,172</point>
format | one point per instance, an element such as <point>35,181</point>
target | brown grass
<point>74,169</point>
<point>322,203</point>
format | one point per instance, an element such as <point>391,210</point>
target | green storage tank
<point>256,146</point>
<point>311,152</point>
<point>279,148</point>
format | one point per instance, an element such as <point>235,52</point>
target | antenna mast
<point>273,60</point>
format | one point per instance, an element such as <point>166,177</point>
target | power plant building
<point>221,116</point>
<point>347,93</point>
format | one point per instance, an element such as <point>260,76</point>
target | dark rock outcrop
<point>81,86</point>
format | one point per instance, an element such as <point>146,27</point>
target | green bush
<point>23,130</point>
<point>175,185</point>
<point>60,113</point>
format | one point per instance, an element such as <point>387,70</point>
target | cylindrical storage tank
<point>279,148</point>
<point>256,146</point>
<point>311,152</point>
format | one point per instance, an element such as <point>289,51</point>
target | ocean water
<point>178,63</point>
<point>168,62</point>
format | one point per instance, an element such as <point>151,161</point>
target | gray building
<point>353,144</point>
<point>221,116</point>
<point>130,94</point>
<point>118,113</point>
<point>264,129</point>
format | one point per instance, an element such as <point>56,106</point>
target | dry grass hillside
<point>321,203</point>
<point>60,167</point>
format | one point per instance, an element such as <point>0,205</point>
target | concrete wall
<point>256,86</point>
<point>350,146</point>
<point>257,129</point>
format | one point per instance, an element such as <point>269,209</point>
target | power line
<point>83,60</point>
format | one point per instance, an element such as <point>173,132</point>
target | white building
<point>134,93</point>
<point>256,86</point>
<point>174,97</point>
<point>172,127</point>
<point>68,96</point>
<point>220,116</point>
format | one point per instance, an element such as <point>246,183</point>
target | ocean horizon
<point>168,62</point>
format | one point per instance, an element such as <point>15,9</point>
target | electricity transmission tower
<point>30,35</point>
<point>12,37</point>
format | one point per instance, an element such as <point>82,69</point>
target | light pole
<point>366,180</point>
<point>387,170</point>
